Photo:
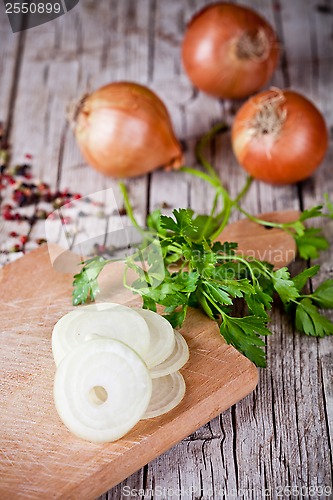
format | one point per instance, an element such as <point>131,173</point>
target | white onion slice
<point>101,306</point>
<point>102,388</point>
<point>167,393</point>
<point>107,320</point>
<point>60,332</point>
<point>162,338</point>
<point>175,361</point>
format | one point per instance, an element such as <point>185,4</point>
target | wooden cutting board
<point>263,242</point>
<point>39,458</point>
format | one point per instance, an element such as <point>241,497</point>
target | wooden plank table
<point>281,435</point>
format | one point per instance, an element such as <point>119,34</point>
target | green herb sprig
<point>211,276</point>
<point>190,269</point>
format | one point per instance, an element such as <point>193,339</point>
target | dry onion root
<point>279,136</point>
<point>103,384</point>
<point>229,51</point>
<point>124,130</point>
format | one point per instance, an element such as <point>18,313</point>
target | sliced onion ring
<point>162,338</point>
<point>175,361</point>
<point>167,393</point>
<point>107,320</point>
<point>59,334</point>
<point>102,388</point>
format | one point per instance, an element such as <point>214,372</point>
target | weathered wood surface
<point>282,434</point>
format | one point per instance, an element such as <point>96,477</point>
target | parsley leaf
<point>225,248</point>
<point>243,334</point>
<point>203,226</point>
<point>154,222</point>
<point>311,213</point>
<point>323,295</point>
<point>259,302</point>
<point>176,318</point>
<point>85,282</point>
<point>309,320</point>
<point>284,286</point>
<point>310,243</point>
<point>219,295</point>
<point>182,223</point>
<point>301,279</point>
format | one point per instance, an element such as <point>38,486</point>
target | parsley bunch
<point>209,275</point>
<point>179,265</point>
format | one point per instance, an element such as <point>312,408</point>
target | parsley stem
<point>220,127</point>
<point>212,302</point>
<point>244,190</point>
<point>257,220</point>
<point>263,222</point>
<point>214,180</point>
<point>227,212</point>
<point>220,191</point>
<point>211,215</point>
<point>197,173</point>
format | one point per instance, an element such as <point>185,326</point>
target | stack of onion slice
<point>115,366</point>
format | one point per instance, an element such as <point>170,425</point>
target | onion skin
<point>288,156</point>
<point>211,54</point>
<point>124,130</point>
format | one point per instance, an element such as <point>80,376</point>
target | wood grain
<point>39,456</point>
<point>285,435</point>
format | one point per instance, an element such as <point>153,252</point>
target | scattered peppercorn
<point>24,239</point>
<point>18,184</point>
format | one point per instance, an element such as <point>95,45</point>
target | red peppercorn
<point>12,234</point>
<point>77,196</point>
<point>23,239</point>
<point>7,215</point>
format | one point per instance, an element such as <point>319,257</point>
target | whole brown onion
<point>229,51</point>
<point>124,130</point>
<point>279,136</point>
